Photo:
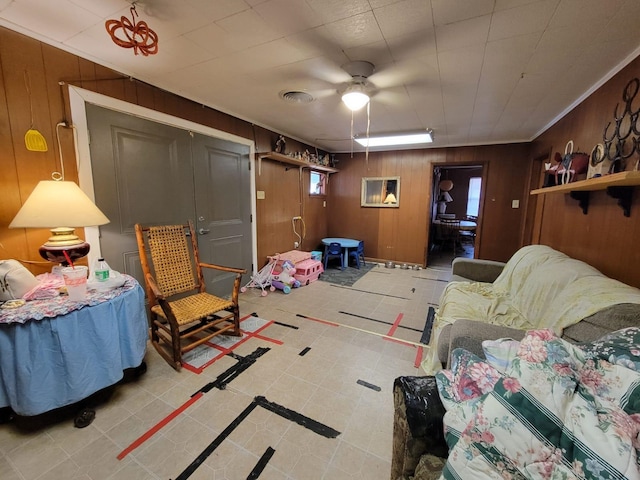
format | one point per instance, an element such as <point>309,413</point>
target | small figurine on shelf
<point>280,144</point>
<point>306,156</point>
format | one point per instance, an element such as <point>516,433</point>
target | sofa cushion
<point>559,413</point>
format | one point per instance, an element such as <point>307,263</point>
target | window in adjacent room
<point>473,198</point>
<point>318,183</point>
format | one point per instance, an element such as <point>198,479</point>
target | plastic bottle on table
<point>101,270</point>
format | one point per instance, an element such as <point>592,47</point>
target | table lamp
<point>54,203</point>
<point>391,198</point>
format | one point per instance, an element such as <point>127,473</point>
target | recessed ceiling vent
<point>296,97</point>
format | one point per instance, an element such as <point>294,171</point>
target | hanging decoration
<point>128,34</point>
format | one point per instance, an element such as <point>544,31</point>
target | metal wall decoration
<point>625,138</point>
<point>133,35</point>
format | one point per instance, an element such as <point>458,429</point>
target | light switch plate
<point>260,194</point>
<point>515,203</point>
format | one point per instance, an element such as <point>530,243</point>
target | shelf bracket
<point>583,199</point>
<point>623,194</point>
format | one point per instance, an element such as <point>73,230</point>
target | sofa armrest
<point>476,270</point>
<point>469,334</point>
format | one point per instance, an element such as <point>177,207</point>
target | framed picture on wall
<point>380,192</point>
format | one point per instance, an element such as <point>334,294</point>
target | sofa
<point>539,292</point>
<point>538,287</point>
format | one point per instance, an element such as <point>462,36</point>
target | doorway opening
<point>455,213</point>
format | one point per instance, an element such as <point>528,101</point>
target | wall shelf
<point>279,157</point>
<point>618,185</point>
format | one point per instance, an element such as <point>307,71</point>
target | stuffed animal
<point>284,280</point>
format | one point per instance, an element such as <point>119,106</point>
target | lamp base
<point>56,254</point>
<point>64,240</point>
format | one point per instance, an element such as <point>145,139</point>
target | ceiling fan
<point>359,90</point>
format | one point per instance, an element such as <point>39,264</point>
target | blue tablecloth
<point>56,361</point>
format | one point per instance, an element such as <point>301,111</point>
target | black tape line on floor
<point>286,413</point>
<point>432,279</point>
<point>309,423</point>
<point>428,326</point>
<point>231,373</point>
<point>369,385</point>
<point>186,473</point>
<point>262,463</point>
<point>380,321</point>
<point>304,351</point>
<point>286,325</point>
<point>368,291</point>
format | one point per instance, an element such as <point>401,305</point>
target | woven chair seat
<point>194,307</point>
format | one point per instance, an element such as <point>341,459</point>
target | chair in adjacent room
<point>449,233</point>
<point>333,250</point>
<point>358,254</point>
<point>182,314</point>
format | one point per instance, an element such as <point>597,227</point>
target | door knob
<point>203,231</point>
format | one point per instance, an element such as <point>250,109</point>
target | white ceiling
<point>474,71</point>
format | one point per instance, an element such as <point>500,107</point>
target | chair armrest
<point>153,286</point>
<point>469,334</point>
<point>476,270</point>
<point>240,271</point>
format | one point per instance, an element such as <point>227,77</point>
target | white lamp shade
<point>355,97</point>
<point>391,198</point>
<point>57,204</point>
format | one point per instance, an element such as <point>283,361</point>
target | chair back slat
<point>173,268</point>
<point>335,249</point>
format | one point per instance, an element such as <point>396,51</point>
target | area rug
<point>206,354</point>
<point>346,277</point>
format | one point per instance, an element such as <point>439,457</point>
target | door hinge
<point>249,162</point>
<point>251,218</point>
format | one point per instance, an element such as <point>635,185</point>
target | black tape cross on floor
<point>284,412</point>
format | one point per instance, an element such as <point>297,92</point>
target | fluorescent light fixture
<point>396,139</point>
<point>355,97</point>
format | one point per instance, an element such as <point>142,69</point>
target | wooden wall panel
<point>604,238</point>
<point>401,234</point>
<point>21,170</point>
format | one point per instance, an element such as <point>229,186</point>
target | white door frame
<point>78,97</point>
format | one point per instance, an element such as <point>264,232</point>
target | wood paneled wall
<point>604,238</point>
<point>402,234</point>
<point>45,67</point>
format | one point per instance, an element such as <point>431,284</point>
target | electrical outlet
<point>296,244</point>
<point>515,203</point>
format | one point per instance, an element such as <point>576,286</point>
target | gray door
<point>223,208</point>
<point>145,172</point>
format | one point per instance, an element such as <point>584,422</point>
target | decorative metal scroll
<point>624,141</point>
<point>131,34</point>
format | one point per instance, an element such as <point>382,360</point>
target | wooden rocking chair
<point>182,314</point>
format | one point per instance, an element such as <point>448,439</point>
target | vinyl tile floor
<point>330,366</point>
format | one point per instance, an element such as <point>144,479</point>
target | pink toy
<point>308,271</point>
<point>285,280</point>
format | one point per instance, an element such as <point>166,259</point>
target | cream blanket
<point>538,288</point>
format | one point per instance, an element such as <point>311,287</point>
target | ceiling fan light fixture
<point>392,139</point>
<point>355,97</point>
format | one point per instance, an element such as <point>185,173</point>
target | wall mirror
<point>380,192</point>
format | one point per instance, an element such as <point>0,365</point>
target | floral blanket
<point>546,409</point>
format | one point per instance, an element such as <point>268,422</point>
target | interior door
<point>223,208</point>
<point>152,173</point>
<point>142,173</point>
